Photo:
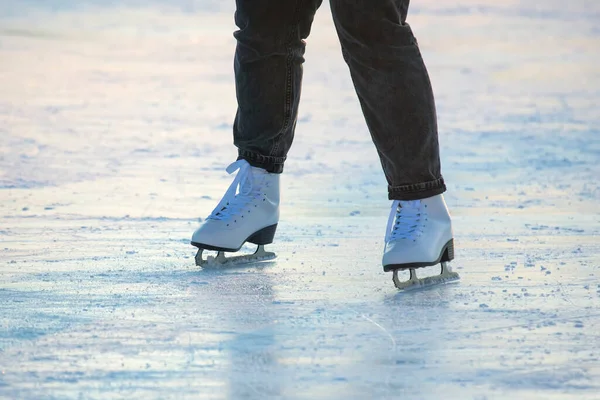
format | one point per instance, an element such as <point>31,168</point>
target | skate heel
<point>449,252</point>
<point>263,236</point>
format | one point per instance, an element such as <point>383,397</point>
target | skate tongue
<point>409,203</point>
<point>243,180</point>
<point>242,185</point>
<point>246,185</point>
<point>409,220</point>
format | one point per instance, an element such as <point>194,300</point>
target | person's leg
<point>396,98</point>
<point>394,92</point>
<point>268,76</point>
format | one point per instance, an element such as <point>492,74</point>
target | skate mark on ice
<point>382,329</point>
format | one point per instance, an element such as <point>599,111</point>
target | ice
<point>115,131</point>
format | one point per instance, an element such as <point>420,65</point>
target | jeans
<point>387,71</point>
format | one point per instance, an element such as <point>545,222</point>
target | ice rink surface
<point>115,129</point>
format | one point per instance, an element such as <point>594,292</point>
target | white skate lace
<point>406,221</point>
<point>234,200</point>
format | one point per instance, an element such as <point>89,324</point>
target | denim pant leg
<point>394,91</point>
<point>268,76</point>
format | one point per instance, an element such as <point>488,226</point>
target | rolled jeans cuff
<point>417,191</point>
<point>273,165</point>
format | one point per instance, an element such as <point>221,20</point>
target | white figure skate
<point>419,234</point>
<point>249,212</point>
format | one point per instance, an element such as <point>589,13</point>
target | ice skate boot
<point>419,234</point>
<point>249,212</point>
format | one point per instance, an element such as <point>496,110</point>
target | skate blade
<point>220,260</point>
<point>446,276</point>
